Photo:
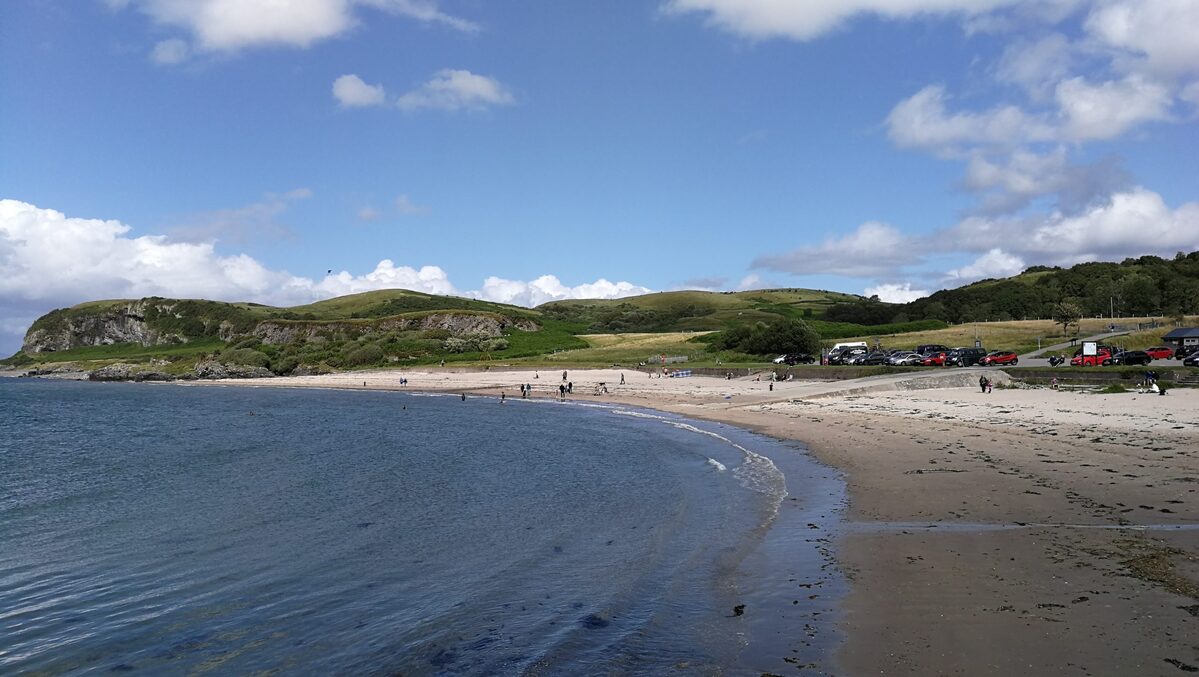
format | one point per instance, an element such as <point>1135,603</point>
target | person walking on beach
<point>570,387</point>
<point>982,383</point>
<point>990,384</point>
<point>622,378</point>
<point>562,392</point>
<point>564,375</point>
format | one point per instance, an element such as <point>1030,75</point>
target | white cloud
<point>406,207</point>
<point>1012,182</point>
<point>994,264</point>
<point>230,25</point>
<point>1036,65</point>
<point>1109,109</point>
<point>48,259</point>
<point>1131,223</point>
<point>549,288</point>
<point>241,224</point>
<point>751,281</point>
<point>896,293</point>
<point>451,89</point>
<point>170,52</point>
<point>809,19</point>
<point>1159,35</point>
<point>352,92</point>
<point>873,249</point>
<point>921,121</point>
<point>369,214</point>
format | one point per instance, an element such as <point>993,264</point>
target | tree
<point>1066,313</point>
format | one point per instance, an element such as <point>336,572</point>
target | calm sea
<point>182,530</point>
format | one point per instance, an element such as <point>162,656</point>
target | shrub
<point>285,365</point>
<point>244,356</point>
<point>368,354</point>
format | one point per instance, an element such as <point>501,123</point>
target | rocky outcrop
<point>212,369</point>
<point>120,323</point>
<point>457,324</point>
<point>128,372</point>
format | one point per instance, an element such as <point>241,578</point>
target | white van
<point>854,344</point>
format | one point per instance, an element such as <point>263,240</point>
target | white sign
<point>1090,348</point>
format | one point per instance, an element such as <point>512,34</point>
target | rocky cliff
<point>280,332</point>
<point>121,322</point>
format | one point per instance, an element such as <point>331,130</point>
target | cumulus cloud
<point>892,292</point>
<point>764,19</point>
<point>549,288</point>
<point>1010,183</point>
<point>1157,35</point>
<point>994,264</point>
<point>352,92</point>
<point>873,249</point>
<point>48,259</point>
<point>1131,223</point>
<point>1107,110</point>
<point>921,121</point>
<point>451,89</point>
<point>230,25</point>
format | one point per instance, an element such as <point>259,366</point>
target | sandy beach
<point>1029,531</point>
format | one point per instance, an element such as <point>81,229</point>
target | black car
<point>876,358</point>
<point>1129,357</point>
<point>931,349</point>
<point>965,357</point>
<point>1184,352</point>
<point>799,358</point>
<point>1191,360</point>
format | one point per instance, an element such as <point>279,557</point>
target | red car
<point>1001,357</point>
<point>1080,360</point>
<point>934,360</point>
<point>1160,352</point>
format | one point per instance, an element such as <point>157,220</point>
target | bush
<point>285,365</point>
<point>787,336</point>
<point>368,354</point>
<point>245,356</point>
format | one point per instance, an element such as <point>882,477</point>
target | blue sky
<point>524,152</point>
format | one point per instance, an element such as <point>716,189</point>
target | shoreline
<point>973,518</point>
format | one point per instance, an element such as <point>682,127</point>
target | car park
<point>1000,357</point>
<point>1160,352</point>
<point>965,357</point>
<point>1129,357</point>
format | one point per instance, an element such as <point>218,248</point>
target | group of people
<point>985,384</point>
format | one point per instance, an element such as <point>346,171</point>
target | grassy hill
<point>694,310</point>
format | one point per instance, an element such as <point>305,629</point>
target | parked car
<point>1191,360</point>
<point>930,348</point>
<point>798,358</point>
<point>1129,357</point>
<point>906,358</point>
<point>934,360</point>
<point>1183,352</point>
<point>1160,352</point>
<point>1000,357</point>
<point>965,357</point>
<point>873,359</point>
<point>1080,360</point>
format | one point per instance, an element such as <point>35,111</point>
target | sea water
<point>179,530</point>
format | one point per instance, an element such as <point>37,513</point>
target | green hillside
<point>694,310</point>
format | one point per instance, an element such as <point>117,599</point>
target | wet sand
<point>1022,531</point>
